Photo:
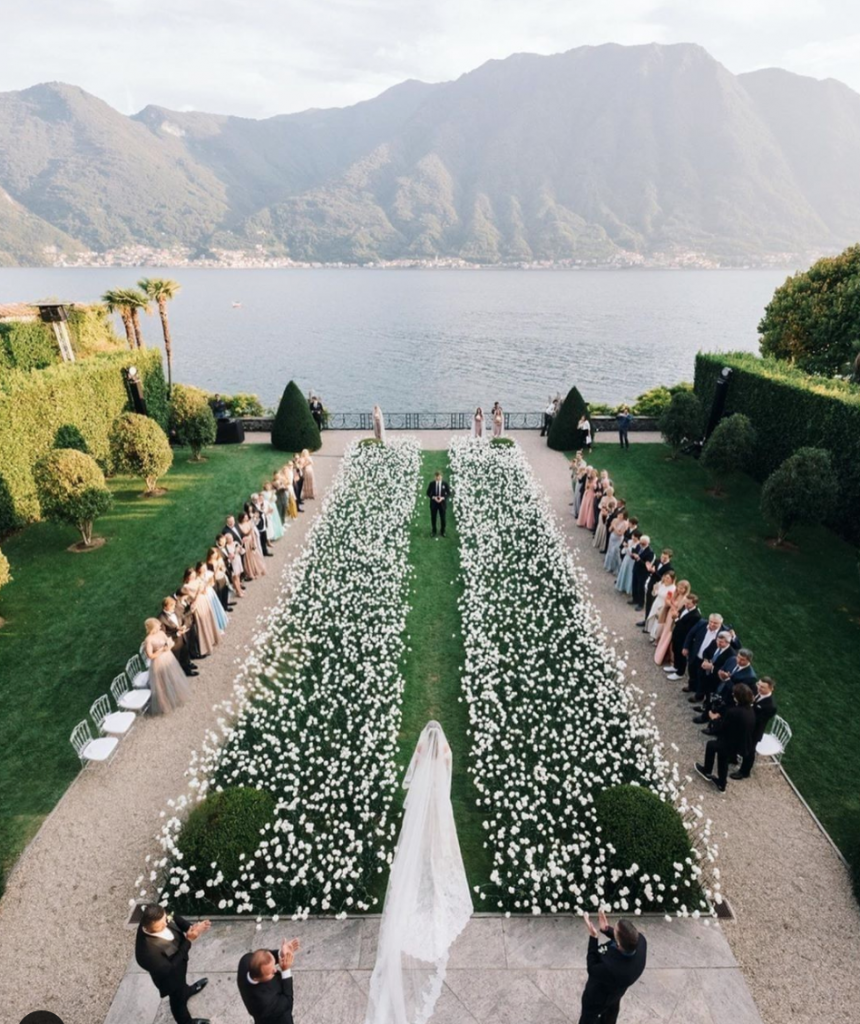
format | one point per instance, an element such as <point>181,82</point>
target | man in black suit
<point>690,616</point>
<point>735,730</point>
<point>643,566</point>
<point>656,574</point>
<point>699,644</point>
<point>736,670</point>
<point>722,659</point>
<point>177,630</point>
<point>161,948</point>
<point>316,407</point>
<point>259,520</point>
<point>438,492</point>
<point>612,968</point>
<point>764,710</point>
<point>265,980</point>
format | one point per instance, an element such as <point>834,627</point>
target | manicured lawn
<point>799,612</point>
<point>74,620</point>
<point>433,666</point>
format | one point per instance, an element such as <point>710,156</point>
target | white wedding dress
<point>427,903</point>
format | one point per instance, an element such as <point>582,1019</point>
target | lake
<point>433,340</point>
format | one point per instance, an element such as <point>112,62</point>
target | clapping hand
<point>592,931</point>
<point>196,930</point>
<point>602,921</point>
<point>288,954</point>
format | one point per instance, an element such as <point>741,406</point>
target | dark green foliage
<point>192,419</point>
<point>71,489</point>
<point>804,489</point>
<point>681,420</point>
<point>501,442</point>
<point>646,831</point>
<point>91,330</point>
<point>139,446</point>
<point>241,404</point>
<point>655,401</point>
<point>27,346</point>
<point>813,320</point>
<point>68,436</point>
<point>564,433</point>
<point>88,395</point>
<point>730,449</point>
<point>791,410</point>
<point>294,428</point>
<point>367,441</point>
<point>220,828</point>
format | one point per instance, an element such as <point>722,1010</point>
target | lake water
<point>424,340</point>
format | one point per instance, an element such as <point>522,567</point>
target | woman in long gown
<point>232,555</point>
<point>428,902</point>
<point>674,607</point>
<point>308,469</point>
<point>378,424</point>
<point>274,526</point>
<point>604,511</point>
<point>498,420</point>
<point>292,504</point>
<point>280,494</point>
<point>584,428</point>
<point>253,562</point>
<point>579,488</point>
<point>662,592</point>
<point>585,518</point>
<point>216,564</point>
<point>204,618</point>
<point>612,561</point>
<point>206,580</point>
<point>478,424</point>
<point>624,580</point>
<point>167,681</point>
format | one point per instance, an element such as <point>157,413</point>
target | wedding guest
<point>269,506</point>
<point>643,566</point>
<point>498,418</point>
<point>478,423</point>
<point>206,582</point>
<point>308,470</point>
<point>737,669</point>
<point>280,494</point>
<point>255,514</point>
<point>624,420</point>
<point>612,561</point>
<point>655,574</point>
<point>253,564</point>
<point>316,408</point>
<point>612,968</point>
<point>672,612</point>
<point>708,678</point>
<point>735,732</point>
<point>233,552</point>
<point>161,948</point>
<point>548,417</point>
<point>624,579</point>
<point>664,588</point>
<point>579,488</point>
<point>764,710</point>
<point>378,424</point>
<point>265,982</point>
<point>584,428</point>
<point>586,516</point>
<point>298,483</point>
<point>438,492</point>
<point>166,678</point>
<point>289,482</point>
<point>604,511</point>
<point>216,565</point>
<point>699,645</point>
<point>688,617</point>
<point>176,631</point>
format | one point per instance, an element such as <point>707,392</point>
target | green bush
<point>91,330</point>
<point>72,489</point>
<point>27,346</point>
<point>242,404</point>
<point>68,436</point>
<point>564,433</point>
<point>646,831</point>
<point>367,442</point>
<point>501,442</point>
<point>681,420</point>
<point>730,449</point>
<point>790,409</point>
<point>804,489</point>
<point>221,828</point>
<point>294,428</point>
<point>140,447</point>
<point>192,419</point>
<point>88,395</point>
<point>5,571</point>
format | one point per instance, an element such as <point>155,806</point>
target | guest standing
<point>265,982</point>
<point>438,492</point>
<point>585,518</point>
<point>688,618</point>
<point>161,948</point>
<point>735,730</point>
<point>584,428</point>
<point>316,408</point>
<point>254,564</point>
<point>478,423</point>
<point>308,470</point>
<point>764,710</point>
<point>643,566</point>
<point>624,420</point>
<point>548,417</point>
<point>176,631</point>
<point>612,562</point>
<point>498,420</point>
<point>612,968</point>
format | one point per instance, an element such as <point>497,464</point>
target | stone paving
<point>501,971</point>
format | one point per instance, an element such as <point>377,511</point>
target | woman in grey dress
<point>167,681</point>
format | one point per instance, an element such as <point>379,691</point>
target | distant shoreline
<point>498,268</point>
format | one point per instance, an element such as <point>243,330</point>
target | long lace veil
<point>428,902</point>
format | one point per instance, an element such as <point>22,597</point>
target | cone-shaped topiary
<point>294,428</point>
<point>564,433</point>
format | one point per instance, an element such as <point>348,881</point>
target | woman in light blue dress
<point>274,523</point>
<point>612,562</point>
<point>624,583</point>
<point>208,578</point>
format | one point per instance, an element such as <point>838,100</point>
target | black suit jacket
<point>166,970</point>
<point>431,493</point>
<point>683,625</point>
<point>235,533</point>
<point>268,1002</point>
<point>172,630</point>
<point>736,730</point>
<point>610,973</point>
<point>764,710</point>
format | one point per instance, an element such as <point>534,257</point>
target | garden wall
<point>790,410</point>
<point>88,395</point>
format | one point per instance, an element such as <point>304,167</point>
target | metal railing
<point>429,421</point>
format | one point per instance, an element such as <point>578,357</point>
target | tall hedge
<point>88,395</point>
<point>294,428</point>
<point>564,433</point>
<point>790,410</point>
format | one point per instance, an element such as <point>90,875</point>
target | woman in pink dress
<point>674,607</point>
<point>308,467</point>
<point>195,591</point>
<point>498,420</point>
<point>587,508</point>
<point>254,564</point>
<point>167,681</point>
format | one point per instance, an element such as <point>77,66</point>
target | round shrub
<point>192,419</point>
<point>72,489</point>
<point>646,831</point>
<point>804,489</point>
<point>221,828</point>
<point>730,449</point>
<point>294,428</point>
<point>681,420</point>
<point>68,436</point>
<point>564,432</point>
<point>140,447</point>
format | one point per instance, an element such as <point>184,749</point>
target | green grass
<point>798,611</point>
<point>74,620</point>
<point>432,667</point>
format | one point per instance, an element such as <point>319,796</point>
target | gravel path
<point>63,916</point>
<point>797,929</point>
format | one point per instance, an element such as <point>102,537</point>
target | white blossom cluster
<point>316,711</point>
<point>552,719</point>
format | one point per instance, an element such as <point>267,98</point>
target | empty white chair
<point>137,674</point>
<point>774,742</point>
<point>126,698</point>
<point>92,751</point>
<point>142,653</point>
<point>110,723</point>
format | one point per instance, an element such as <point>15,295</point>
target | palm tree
<point>116,301</point>
<point>136,302</point>
<point>162,290</point>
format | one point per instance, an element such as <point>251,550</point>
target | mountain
<point>574,156</point>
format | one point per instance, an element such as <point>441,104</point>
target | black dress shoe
<point>642,623</point>
<point>700,719</point>
<point>200,1020</point>
<point>695,699</point>
<point>687,689</point>
<point>198,986</point>
<point>269,554</point>
<point>700,768</point>
<point>707,732</point>
<point>738,776</point>
<point>721,786</point>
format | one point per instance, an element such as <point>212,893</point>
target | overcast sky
<point>263,57</point>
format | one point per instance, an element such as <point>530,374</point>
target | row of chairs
<point>131,694</point>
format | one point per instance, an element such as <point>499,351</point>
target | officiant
<point>438,492</point>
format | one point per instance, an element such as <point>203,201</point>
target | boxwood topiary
<point>646,831</point>
<point>192,419</point>
<point>140,447</point>
<point>564,432</point>
<point>72,489</point>
<point>294,428</point>
<point>221,828</point>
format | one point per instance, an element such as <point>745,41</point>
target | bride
<point>428,903</point>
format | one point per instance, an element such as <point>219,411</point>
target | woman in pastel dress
<point>624,581</point>
<point>478,424</point>
<point>585,518</point>
<point>194,591</point>
<point>498,418</point>
<point>253,562</point>
<point>662,592</point>
<point>378,424</point>
<point>167,681</point>
<point>612,561</point>
<point>206,578</point>
<point>308,469</point>
<point>274,526</point>
<point>673,609</point>
<point>604,510</point>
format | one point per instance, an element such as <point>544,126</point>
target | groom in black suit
<point>438,492</point>
<point>161,948</point>
<point>265,980</point>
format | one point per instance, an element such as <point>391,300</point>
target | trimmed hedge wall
<point>88,395</point>
<point>790,409</point>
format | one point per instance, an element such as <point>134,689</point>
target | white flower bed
<point>316,710</point>
<point>552,720</point>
